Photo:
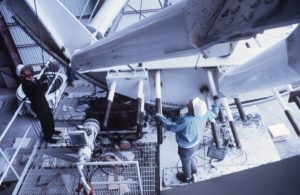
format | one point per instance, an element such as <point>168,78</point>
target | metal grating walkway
<point>49,175</point>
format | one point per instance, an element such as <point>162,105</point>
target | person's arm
<point>213,113</point>
<point>43,82</point>
<point>28,86</point>
<point>171,126</point>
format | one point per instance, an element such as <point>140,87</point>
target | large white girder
<point>278,65</point>
<point>186,28</point>
<point>66,30</point>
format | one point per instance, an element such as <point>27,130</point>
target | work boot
<point>50,140</point>
<point>181,177</point>
<point>57,132</point>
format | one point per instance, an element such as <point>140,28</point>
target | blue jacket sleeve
<point>172,126</point>
<point>213,113</point>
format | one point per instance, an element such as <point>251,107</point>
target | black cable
<point>212,167</point>
<point>136,11</point>
<point>120,172</point>
<point>238,156</point>
<point>161,6</point>
<point>101,168</point>
<point>37,182</point>
<point>87,99</point>
<point>39,31</point>
<point>141,5</point>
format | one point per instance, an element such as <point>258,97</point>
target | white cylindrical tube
<point>208,104</point>
<point>143,104</point>
<point>287,111</point>
<point>112,91</point>
<point>212,84</point>
<point>289,88</point>
<point>157,84</point>
<point>227,109</point>
<point>140,89</point>
<point>92,128</point>
<point>280,100</point>
<point>105,16</point>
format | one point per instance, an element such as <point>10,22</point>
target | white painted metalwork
<point>11,121</point>
<point>9,165</point>
<point>20,181</point>
<point>85,6</point>
<point>212,84</point>
<point>278,65</point>
<point>289,88</point>
<point>82,177</point>
<point>112,91</point>
<point>280,99</point>
<point>127,82</point>
<point>105,16</point>
<point>140,89</point>
<point>227,109</point>
<point>208,103</point>
<point>185,28</point>
<point>54,97</point>
<point>143,103</point>
<point>90,131</point>
<point>93,11</point>
<point>68,39</point>
<point>222,49</point>
<point>80,166</point>
<point>157,84</point>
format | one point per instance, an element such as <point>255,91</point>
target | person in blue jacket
<point>189,129</point>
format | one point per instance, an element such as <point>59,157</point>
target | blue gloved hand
<point>159,117</point>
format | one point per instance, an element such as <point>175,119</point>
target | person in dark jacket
<point>188,130</point>
<point>34,90</point>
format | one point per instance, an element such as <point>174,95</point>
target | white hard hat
<point>19,69</point>
<point>199,107</point>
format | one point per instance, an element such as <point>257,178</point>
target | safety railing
<point>111,177</point>
<point>10,160</point>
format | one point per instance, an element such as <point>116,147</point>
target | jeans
<point>186,157</point>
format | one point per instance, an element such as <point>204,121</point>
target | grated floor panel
<point>55,176</point>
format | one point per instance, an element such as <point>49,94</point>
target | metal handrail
<point>15,155</point>
<point>85,6</point>
<point>53,81</point>
<point>80,166</point>
<point>34,151</point>
<point>33,126</point>
<point>10,162</point>
<point>7,161</point>
<point>11,121</point>
<point>90,18</point>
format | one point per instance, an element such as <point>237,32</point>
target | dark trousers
<point>186,157</point>
<point>45,117</point>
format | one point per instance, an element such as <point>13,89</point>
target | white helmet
<point>19,69</point>
<point>199,107</point>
